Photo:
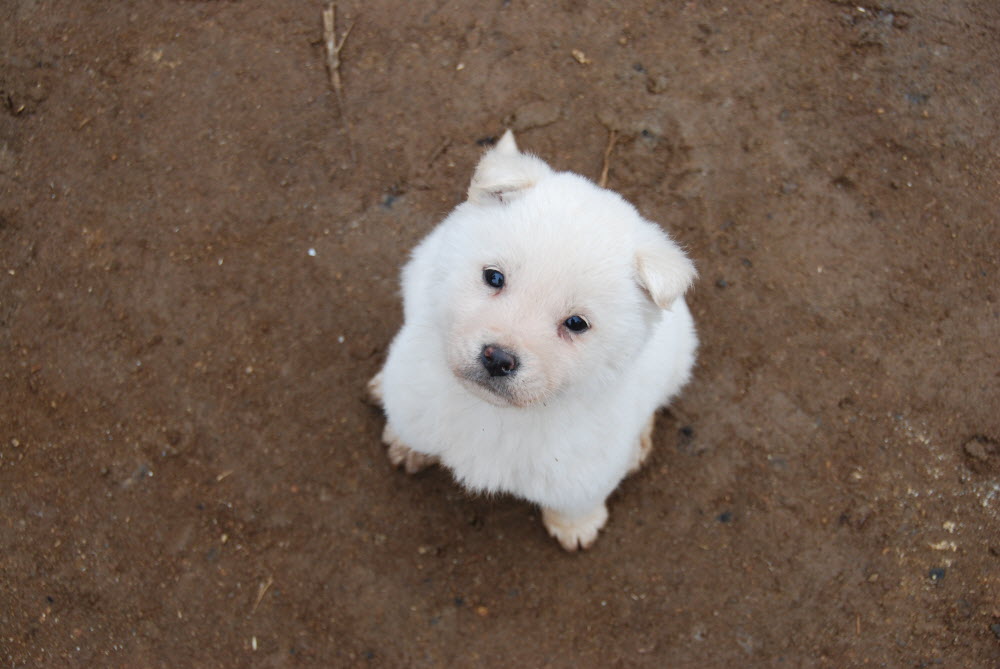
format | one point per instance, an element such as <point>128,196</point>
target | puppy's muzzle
<point>498,361</point>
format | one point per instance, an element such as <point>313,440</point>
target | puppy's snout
<point>498,361</point>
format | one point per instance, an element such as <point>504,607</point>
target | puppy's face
<point>548,284</point>
<point>525,324</point>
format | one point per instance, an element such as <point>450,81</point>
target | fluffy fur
<point>494,384</point>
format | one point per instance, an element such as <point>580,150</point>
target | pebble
<point>975,449</point>
<point>996,630</point>
<point>936,574</point>
<point>657,84</point>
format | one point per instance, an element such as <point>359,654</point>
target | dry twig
<point>261,591</point>
<point>612,138</point>
<point>333,48</point>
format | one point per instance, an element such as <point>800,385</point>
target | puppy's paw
<point>402,455</point>
<point>573,532</point>
<point>375,390</point>
<point>644,447</point>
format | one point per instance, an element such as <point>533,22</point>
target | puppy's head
<point>549,284</point>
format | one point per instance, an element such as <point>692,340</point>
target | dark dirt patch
<point>189,475</point>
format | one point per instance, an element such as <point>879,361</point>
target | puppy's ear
<point>662,269</point>
<point>504,173</point>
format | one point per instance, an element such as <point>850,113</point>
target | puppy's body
<point>542,379</point>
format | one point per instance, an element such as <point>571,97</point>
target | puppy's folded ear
<point>504,172</point>
<point>662,268</point>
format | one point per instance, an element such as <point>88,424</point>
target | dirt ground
<point>198,274</point>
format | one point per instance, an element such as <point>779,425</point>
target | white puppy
<point>544,324</point>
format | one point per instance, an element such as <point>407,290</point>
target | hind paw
<point>402,455</point>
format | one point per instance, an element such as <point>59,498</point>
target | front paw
<point>402,455</point>
<point>577,531</point>
<point>374,394</point>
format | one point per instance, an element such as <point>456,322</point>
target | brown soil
<point>189,475</point>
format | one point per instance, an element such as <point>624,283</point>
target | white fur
<point>566,427</point>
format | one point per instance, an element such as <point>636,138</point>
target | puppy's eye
<point>493,277</point>
<point>576,324</point>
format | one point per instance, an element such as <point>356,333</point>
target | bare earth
<point>198,274</point>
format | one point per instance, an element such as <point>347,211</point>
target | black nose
<point>498,361</point>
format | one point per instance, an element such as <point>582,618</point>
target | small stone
<point>722,283</point>
<point>482,611</point>
<point>936,574</point>
<point>995,628</point>
<point>975,448</point>
<point>725,517</point>
<point>657,84</point>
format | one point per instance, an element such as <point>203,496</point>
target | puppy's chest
<point>530,458</point>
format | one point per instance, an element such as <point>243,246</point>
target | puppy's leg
<point>574,531</point>
<point>399,453</point>
<point>644,447</point>
<point>375,390</point>
<point>402,455</point>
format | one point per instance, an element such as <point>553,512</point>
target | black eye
<point>576,324</point>
<point>493,277</point>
